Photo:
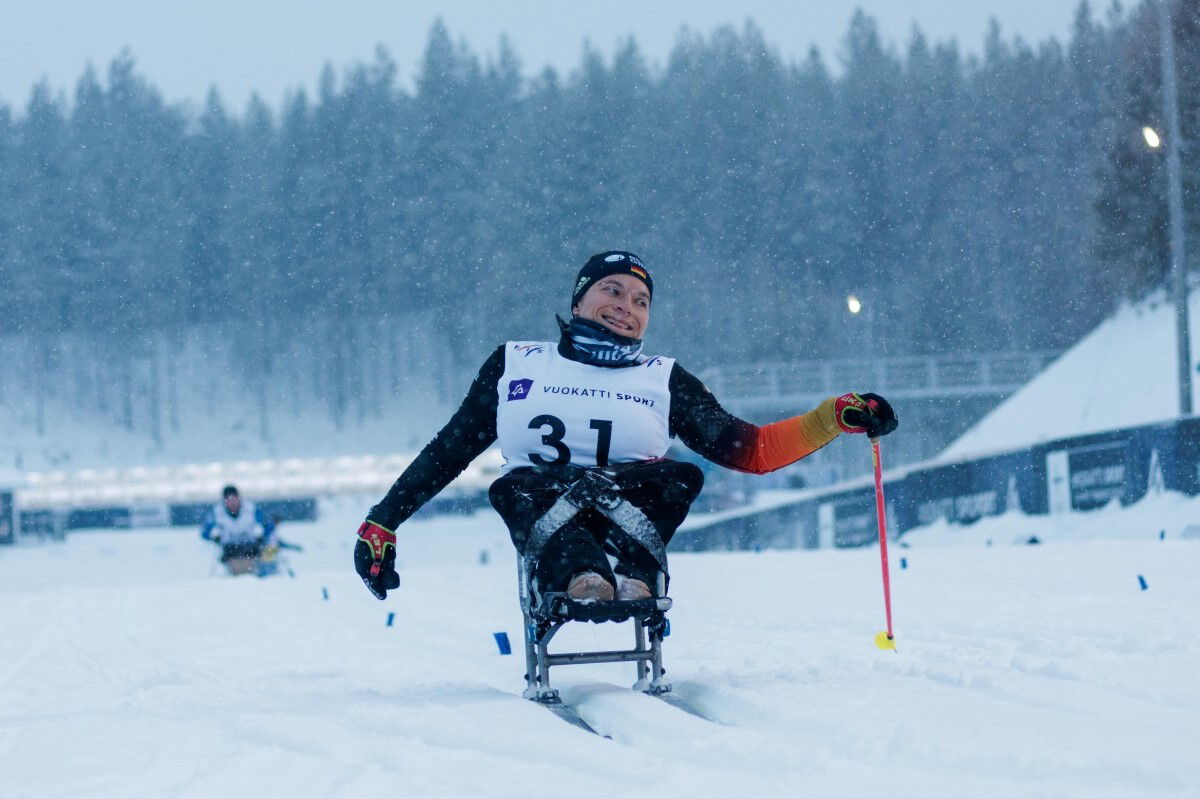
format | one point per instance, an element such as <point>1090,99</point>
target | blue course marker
<point>391,618</point>
<point>1142,582</point>
<point>1162,535</point>
<point>903,563</point>
<point>325,593</point>
<point>502,643</point>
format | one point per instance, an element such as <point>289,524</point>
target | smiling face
<point>619,302</point>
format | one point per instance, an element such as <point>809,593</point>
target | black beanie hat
<point>611,262</point>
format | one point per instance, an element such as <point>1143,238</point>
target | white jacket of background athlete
<point>242,529</point>
<point>555,410</point>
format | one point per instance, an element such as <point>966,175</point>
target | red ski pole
<point>883,640</point>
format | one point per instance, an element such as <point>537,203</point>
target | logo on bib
<point>519,389</point>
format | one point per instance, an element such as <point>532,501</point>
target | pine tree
<point>872,188</point>
<point>1132,206</point>
<point>10,300</point>
<point>209,249</point>
<point>44,270</point>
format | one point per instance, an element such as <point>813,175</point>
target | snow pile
<point>1122,374</point>
<point>127,670</point>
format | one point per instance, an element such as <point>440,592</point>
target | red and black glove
<point>865,413</point>
<point>375,559</point>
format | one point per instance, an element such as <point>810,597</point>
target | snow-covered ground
<point>126,669</point>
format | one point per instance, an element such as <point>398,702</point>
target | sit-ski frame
<point>594,489</point>
<point>650,626</point>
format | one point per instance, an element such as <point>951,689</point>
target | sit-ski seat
<point>545,614</point>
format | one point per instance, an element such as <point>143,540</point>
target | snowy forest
<point>342,242</point>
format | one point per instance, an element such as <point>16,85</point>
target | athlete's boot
<point>630,588</point>
<point>590,587</point>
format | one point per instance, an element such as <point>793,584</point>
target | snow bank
<point>1123,374</point>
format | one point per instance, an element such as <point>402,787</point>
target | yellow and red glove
<point>864,413</point>
<point>375,559</point>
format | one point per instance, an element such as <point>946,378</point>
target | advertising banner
<point>8,519</point>
<point>847,520</point>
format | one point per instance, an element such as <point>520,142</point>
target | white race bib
<point>240,530</point>
<point>553,410</point>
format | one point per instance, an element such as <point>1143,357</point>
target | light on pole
<point>853,304</point>
<point>1153,140</point>
<point>1175,206</point>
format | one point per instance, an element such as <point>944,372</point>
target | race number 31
<point>554,440</point>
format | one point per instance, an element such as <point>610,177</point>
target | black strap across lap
<point>595,488</point>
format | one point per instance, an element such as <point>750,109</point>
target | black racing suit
<point>662,489</point>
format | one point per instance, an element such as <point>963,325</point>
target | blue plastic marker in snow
<point>1162,535</point>
<point>391,618</point>
<point>502,643</point>
<point>903,563</point>
<point>325,593</point>
<point>1142,582</point>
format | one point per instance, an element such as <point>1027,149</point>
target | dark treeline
<point>998,202</point>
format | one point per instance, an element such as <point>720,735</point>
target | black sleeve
<point>470,431</point>
<point>704,426</point>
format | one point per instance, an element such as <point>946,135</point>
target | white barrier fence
<point>200,482</point>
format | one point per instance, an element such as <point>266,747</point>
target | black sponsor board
<point>8,519</point>
<point>285,510</point>
<point>1089,472</point>
<point>44,521</point>
<point>455,504</point>
<point>1096,474</point>
<point>966,492</point>
<point>1178,449</point>
<point>98,518</point>
<point>848,520</point>
<point>785,527</point>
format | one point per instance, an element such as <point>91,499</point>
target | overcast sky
<point>185,46</point>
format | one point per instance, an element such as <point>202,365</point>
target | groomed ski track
<point>1034,671</point>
